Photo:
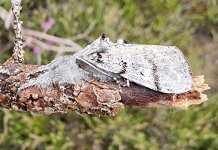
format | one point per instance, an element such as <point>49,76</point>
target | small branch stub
<point>18,55</point>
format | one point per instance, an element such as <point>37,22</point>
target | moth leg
<point>174,97</point>
<point>127,83</point>
<point>118,83</point>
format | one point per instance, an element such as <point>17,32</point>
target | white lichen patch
<point>3,70</point>
<point>16,70</point>
<point>49,110</point>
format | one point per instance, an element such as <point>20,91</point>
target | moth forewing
<point>91,68</point>
<point>160,68</point>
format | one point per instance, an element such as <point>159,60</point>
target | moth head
<point>104,36</point>
<point>102,44</point>
<point>104,41</point>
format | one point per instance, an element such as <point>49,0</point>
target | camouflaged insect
<point>160,68</point>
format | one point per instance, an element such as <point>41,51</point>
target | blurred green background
<point>190,25</point>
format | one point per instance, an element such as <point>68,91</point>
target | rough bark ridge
<point>90,97</point>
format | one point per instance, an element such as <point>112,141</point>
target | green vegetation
<point>190,25</point>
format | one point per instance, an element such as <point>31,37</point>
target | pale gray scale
<point>97,72</point>
<point>60,71</point>
<point>172,70</point>
<point>139,69</point>
<point>110,63</point>
<point>67,71</point>
<point>140,66</point>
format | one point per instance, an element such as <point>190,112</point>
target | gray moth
<point>160,68</point>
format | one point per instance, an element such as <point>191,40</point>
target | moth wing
<point>160,68</point>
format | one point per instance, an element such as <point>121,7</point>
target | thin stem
<point>18,55</point>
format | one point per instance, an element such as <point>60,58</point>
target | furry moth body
<point>160,68</point>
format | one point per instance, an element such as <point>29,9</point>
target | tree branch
<point>86,97</point>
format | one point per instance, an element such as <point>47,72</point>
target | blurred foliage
<point>190,25</point>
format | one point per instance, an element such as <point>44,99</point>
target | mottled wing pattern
<point>161,68</point>
<point>165,68</point>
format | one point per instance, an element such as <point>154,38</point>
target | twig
<point>8,19</point>
<point>6,16</point>
<point>3,13</point>
<point>61,41</point>
<point>18,55</point>
<point>85,34</point>
<point>46,46</point>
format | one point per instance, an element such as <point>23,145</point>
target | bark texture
<point>86,97</point>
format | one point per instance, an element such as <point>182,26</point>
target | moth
<point>160,68</point>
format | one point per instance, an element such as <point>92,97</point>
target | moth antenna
<point>105,42</point>
<point>127,83</point>
<point>104,36</point>
<point>122,41</point>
